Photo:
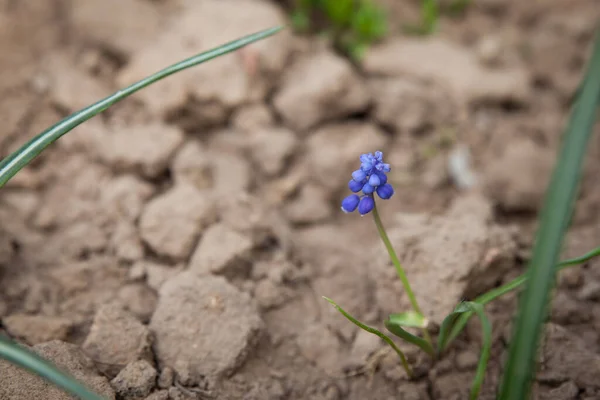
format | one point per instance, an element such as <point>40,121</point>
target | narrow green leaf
<point>409,319</point>
<point>396,328</point>
<point>30,361</point>
<point>508,287</point>
<point>10,165</point>
<point>556,213</point>
<point>374,332</point>
<point>468,307</point>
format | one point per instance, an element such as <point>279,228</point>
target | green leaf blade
<point>10,165</point>
<point>30,361</point>
<point>555,216</point>
<point>468,308</point>
<point>376,332</point>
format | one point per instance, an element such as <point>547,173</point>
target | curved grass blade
<point>374,332</point>
<point>507,287</point>
<point>30,361</point>
<point>556,213</point>
<point>396,323</point>
<point>486,327</point>
<point>10,165</point>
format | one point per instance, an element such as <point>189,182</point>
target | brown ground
<point>180,242</point>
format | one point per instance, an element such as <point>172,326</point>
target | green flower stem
<point>398,266</point>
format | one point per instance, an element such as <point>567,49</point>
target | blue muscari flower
<point>370,178</point>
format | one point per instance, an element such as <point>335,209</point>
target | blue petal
<point>382,177</point>
<point>366,205</point>
<point>350,203</point>
<point>368,189</point>
<point>374,180</point>
<point>364,158</point>
<point>386,168</point>
<point>359,175</point>
<point>366,167</point>
<point>385,191</point>
<point>379,156</point>
<point>355,186</point>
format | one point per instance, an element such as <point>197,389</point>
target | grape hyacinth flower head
<point>370,178</point>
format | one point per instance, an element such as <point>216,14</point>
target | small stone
<point>157,274</point>
<point>126,242</point>
<point>165,380</point>
<point>35,329</point>
<point>269,295</point>
<point>116,338</point>
<point>310,206</point>
<point>138,299</point>
<point>126,194</point>
<point>252,118</point>
<point>319,88</point>
<point>172,222</point>
<point>270,148</point>
<point>203,326</point>
<point>566,391</point>
<point>146,149</point>
<point>221,251</point>
<point>466,360</point>
<point>532,164</point>
<point>230,174</point>
<point>192,165</point>
<point>135,381</point>
<point>18,384</point>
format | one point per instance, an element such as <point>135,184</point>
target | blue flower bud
<point>350,203</point>
<point>379,156</point>
<point>366,205</point>
<point>368,189</point>
<point>374,180</point>
<point>355,186</point>
<point>359,175</point>
<point>382,177</point>
<point>366,167</point>
<point>385,191</point>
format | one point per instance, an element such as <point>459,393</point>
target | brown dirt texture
<point>178,245</point>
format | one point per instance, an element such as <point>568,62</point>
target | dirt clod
<point>319,88</point>
<point>221,251</point>
<point>203,327</point>
<point>146,149</point>
<point>172,222</point>
<point>135,381</point>
<point>116,339</point>
<point>531,164</point>
<point>34,329</point>
<point>454,256</point>
<point>565,357</point>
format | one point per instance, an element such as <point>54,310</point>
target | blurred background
<point>236,169</point>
